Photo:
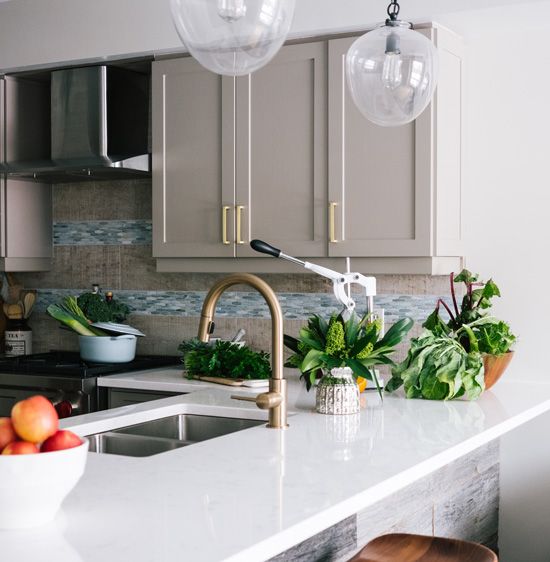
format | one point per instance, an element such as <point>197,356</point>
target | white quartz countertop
<point>162,379</point>
<point>253,494</point>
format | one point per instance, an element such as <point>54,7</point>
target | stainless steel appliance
<point>69,382</point>
<point>98,121</point>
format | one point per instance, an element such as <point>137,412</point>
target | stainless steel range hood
<point>99,127</point>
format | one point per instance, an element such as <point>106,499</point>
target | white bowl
<point>33,486</point>
<point>107,349</point>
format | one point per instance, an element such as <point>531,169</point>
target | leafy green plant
<point>324,345</point>
<point>494,337</point>
<point>446,361</point>
<point>97,309</point>
<point>438,367</point>
<point>224,359</point>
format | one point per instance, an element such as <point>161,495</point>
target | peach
<point>34,419</point>
<point>7,433</point>
<point>20,448</point>
<point>63,439</point>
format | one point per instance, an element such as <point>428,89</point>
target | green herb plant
<point>446,360</point>
<point>97,309</point>
<point>224,359</point>
<point>355,343</point>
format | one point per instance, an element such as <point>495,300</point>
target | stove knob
<point>64,409</point>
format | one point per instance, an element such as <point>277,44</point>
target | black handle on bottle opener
<point>265,248</point>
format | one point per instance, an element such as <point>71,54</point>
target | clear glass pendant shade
<point>392,74</point>
<point>233,37</point>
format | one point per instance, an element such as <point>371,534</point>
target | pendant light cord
<point>393,10</point>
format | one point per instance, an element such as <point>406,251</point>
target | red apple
<point>20,448</point>
<point>7,433</point>
<point>34,419</point>
<point>63,439</point>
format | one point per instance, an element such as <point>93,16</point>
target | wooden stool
<point>418,548</point>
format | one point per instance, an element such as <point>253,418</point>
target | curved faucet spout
<point>276,397</point>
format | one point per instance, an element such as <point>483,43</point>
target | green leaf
<point>435,324</point>
<point>466,276</point>
<point>312,360</point>
<point>291,343</point>
<point>396,333</point>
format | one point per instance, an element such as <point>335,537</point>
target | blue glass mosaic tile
<point>252,305</point>
<point>101,233</point>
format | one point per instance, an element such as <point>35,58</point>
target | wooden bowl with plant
<point>462,356</point>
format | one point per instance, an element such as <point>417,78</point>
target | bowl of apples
<point>39,464</point>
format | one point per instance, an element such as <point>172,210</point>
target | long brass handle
<point>225,210</point>
<point>331,219</point>
<point>264,401</point>
<point>239,224</point>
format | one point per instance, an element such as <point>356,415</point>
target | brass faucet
<point>275,400</point>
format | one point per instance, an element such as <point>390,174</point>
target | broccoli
<point>97,309</point>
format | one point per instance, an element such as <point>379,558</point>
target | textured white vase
<point>340,396</point>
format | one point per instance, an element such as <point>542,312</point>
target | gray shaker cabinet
<point>235,160</point>
<point>193,161</point>
<point>281,153</point>
<point>395,191</point>
<point>25,206</point>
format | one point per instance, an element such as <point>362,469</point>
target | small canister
<point>18,338</point>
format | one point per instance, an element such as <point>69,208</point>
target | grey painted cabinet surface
<point>395,191</point>
<point>193,161</point>
<point>285,156</point>
<point>25,207</point>
<point>117,398</point>
<point>281,152</point>
<point>234,160</point>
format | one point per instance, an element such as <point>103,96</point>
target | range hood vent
<point>99,127</point>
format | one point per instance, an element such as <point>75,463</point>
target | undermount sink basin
<point>165,434</point>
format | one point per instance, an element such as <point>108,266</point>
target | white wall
<point>507,231</point>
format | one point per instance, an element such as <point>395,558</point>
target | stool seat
<point>419,548</point>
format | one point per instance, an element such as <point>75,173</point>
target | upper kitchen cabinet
<point>281,153</point>
<point>396,192</point>
<point>284,155</point>
<point>239,159</point>
<point>193,161</point>
<point>25,207</point>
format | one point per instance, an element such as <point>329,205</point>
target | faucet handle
<point>264,401</point>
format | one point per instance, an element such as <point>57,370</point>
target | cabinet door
<point>379,177</point>
<point>281,153</point>
<point>118,398</point>
<point>193,161</point>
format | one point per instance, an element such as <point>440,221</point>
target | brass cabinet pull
<point>331,220</point>
<point>225,210</point>
<point>239,224</point>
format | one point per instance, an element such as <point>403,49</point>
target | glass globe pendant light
<point>392,72</point>
<point>233,37</point>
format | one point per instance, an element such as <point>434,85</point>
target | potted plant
<point>463,356</point>
<point>339,351</point>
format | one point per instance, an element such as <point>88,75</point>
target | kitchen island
<point>251,495</point>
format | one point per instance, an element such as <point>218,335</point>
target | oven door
<point>71,397</point>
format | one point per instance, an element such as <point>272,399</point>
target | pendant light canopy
<point>233,37</point>
<point>392,72</point>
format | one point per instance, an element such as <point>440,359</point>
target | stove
<point>61,376</point>
<point>69,364</point>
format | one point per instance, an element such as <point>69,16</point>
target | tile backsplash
<point>102,234</point>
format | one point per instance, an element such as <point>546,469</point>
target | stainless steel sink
<point>165,434</point>
<point>131,445</point>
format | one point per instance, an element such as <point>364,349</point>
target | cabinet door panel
<point>26,212</point>
<point>374,175</point>
<point>281,152</point>
<point>193,161</point>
